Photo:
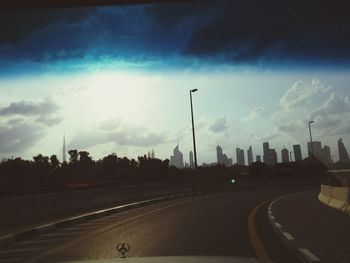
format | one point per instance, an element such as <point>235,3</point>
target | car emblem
<point>122,249</point>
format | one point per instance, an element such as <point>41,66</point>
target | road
<point>224,224</point>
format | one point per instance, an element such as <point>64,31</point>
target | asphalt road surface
<point>225,224</point>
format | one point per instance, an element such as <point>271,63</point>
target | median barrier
<point>336,196</point>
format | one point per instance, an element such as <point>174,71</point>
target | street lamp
<point>311,144</point>
<point>193,134</point>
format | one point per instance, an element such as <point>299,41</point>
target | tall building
<point>240,156</point>
<point>343,153</point>
<point>316,149</point>
<point>297,152</point>
<point>149,155</point>
<point>326,155</point>
<point>250,155</point>
<point>191,159</point>
<point>266,148</point>
<point>285,155</point>
<point>177,158</point>
<point>152,154</point>
<point>258,158</point>
<point>222,158</point>
<point>270,155</point>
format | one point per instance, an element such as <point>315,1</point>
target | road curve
<point>201,225</point>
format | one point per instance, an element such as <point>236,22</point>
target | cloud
<point>45,111</point>
<point>17,136</point>
<point>25,122</point>
<point>251,31</point>
<point>301,92</point>
<point>219,125</point>
<point>305,101</point>
<point>256,30</point>
<point>255,113</point>
<point>120,133</point>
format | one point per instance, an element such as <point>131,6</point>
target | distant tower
<point>297,152</point>
<point>152,154</point>
<point>149,155</point>
<point>343,153</point>
<point>250,155</point>
<point>64,149</point>
<point>285,155</point>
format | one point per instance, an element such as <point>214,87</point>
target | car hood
<point>177,259</point>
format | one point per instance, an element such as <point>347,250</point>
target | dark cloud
<point>19,25</point>
<point>45,111</point>
<point>17,136</point>
<point>219,125</point>
<point>251,30</point>
<point>29,108</point>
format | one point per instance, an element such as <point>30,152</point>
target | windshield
<point>232,117</point>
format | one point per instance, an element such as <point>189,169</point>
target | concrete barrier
<point>336,197</point>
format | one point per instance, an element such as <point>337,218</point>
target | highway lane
<point>201,225</point>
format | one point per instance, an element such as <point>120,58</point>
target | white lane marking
<point>19,250</point>
<point>307,253</point>
<point>288,236</point>
<point>278,225</point>
<point>272,217</point>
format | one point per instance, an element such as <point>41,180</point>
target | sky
<point>116,79</point>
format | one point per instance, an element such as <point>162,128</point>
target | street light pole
<point>311,144</point>
<point>193,133</point>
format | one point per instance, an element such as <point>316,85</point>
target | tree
<point>73,156</point>
<point>54,162</point>
<point>84,157</point>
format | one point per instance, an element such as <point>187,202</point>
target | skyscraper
<point>316,149</point>
<point>177,158</point>
<point>343,153</point>
<point>250,155</point>
<point>152,154</point>
<point>191,159</point>
<point>326,155</point>
<point>270,155</point>
<point>240,156</point>
<point>297,152</point>
<point>222,158</point>
<point>285,155</point>
<point>258,158</point>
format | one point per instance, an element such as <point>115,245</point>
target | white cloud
<point>301,93</point>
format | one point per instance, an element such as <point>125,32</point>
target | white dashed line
<point>278,225</point>
<point>288,236</point>
<point>307,253</point>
